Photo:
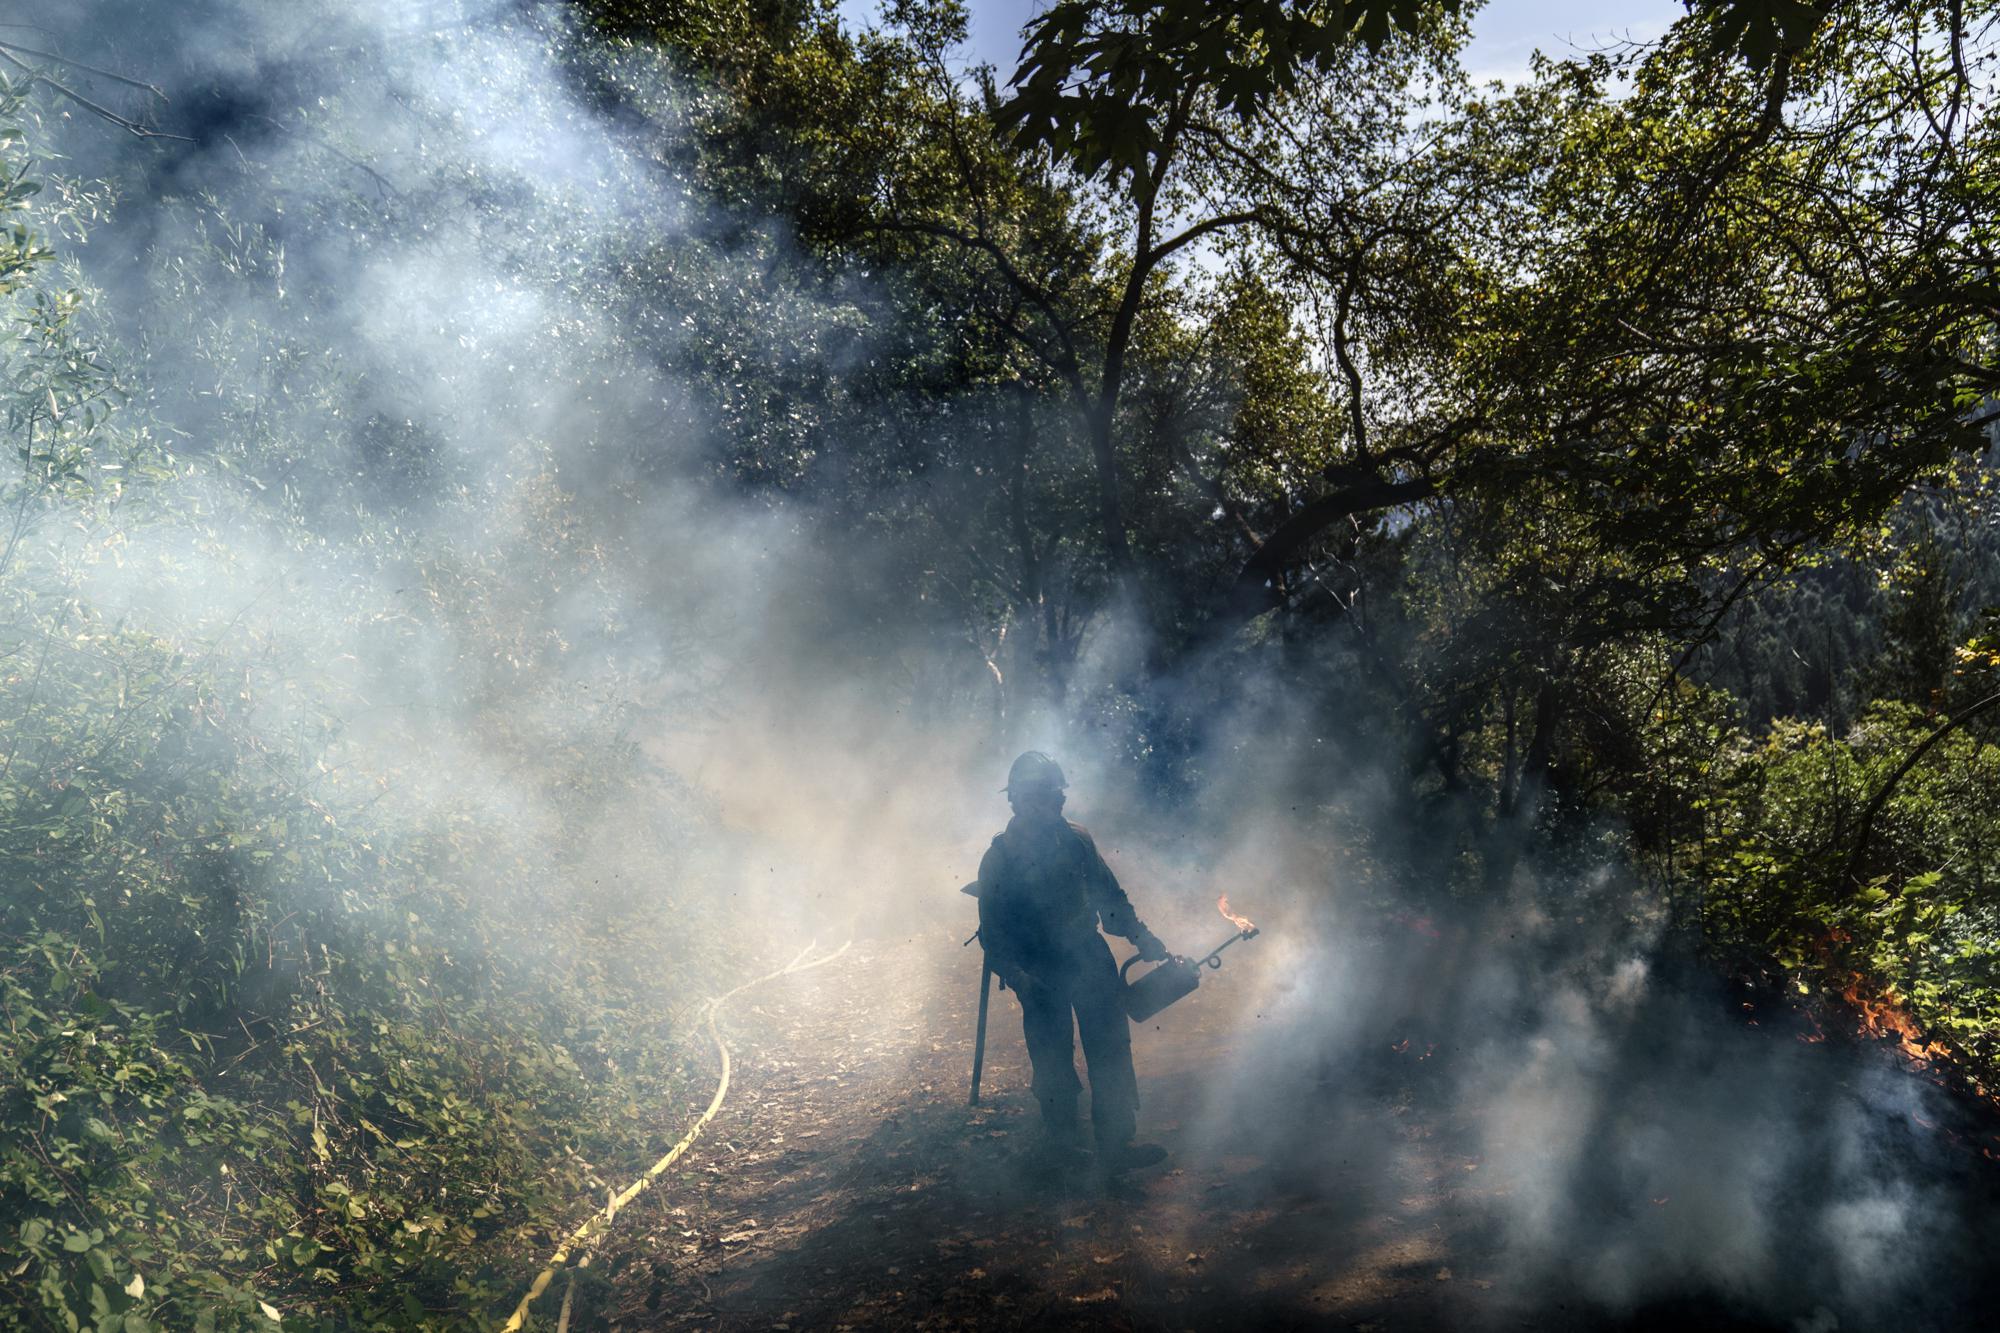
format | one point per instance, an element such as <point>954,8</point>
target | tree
<point>1073,238</point>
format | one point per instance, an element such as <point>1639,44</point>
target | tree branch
<point>1067,364</point>
<point>1866,831</point>
<point>103,112</point>
<point>1255,587</point>
<point>1206,227</point>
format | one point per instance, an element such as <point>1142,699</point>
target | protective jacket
<point>1044,890</point>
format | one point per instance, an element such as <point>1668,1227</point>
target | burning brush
<point>1178,976</point>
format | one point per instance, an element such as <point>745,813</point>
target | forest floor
<point>847,1184</point>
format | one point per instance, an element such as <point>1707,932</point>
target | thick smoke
<point>1605,1132</point>
<point>472,285</point>
<point>438,241</point>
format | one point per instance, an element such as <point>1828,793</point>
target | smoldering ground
<point>1639,1143</point>
<point>459,264</point>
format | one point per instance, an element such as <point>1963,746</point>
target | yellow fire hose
<point>600,1221</point>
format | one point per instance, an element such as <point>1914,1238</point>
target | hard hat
<point>1035,769</point>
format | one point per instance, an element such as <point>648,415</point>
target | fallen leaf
<point>1096,1297</point>
<point>1444,1275</point>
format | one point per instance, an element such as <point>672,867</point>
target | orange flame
<point>1881,1012</point>
<point>1883,1016</point>
<point>1241,923</point>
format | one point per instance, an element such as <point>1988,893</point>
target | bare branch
<point>103,112</point>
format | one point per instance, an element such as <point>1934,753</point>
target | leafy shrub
<point>270,1046</point>
<point>1910,925</point>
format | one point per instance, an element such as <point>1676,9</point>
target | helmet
<point>1035,769</point>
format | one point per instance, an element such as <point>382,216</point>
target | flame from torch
<point>1241,923</point>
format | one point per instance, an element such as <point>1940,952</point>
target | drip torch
<point>1177,976</point>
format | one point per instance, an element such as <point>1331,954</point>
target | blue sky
<point>1505,32</point>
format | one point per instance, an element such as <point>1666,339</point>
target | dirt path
<point>847,1184</point>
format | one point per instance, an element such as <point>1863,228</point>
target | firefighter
<point>1043,892</point>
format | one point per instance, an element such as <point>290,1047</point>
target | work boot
<point>1123,1157</point>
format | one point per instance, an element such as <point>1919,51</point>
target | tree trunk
<point>1513,827</point>
<point>1110,503</point>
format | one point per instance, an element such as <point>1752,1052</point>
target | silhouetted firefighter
<point>1043,891</point>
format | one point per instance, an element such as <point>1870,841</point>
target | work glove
<point>1150,948</point>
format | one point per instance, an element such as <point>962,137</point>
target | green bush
<point>1909,926</point>
<point>273,1043</point>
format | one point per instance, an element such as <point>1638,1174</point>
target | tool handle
<point>1170,958</point>
<point>1214,956</point>
<point>979,1039</point>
